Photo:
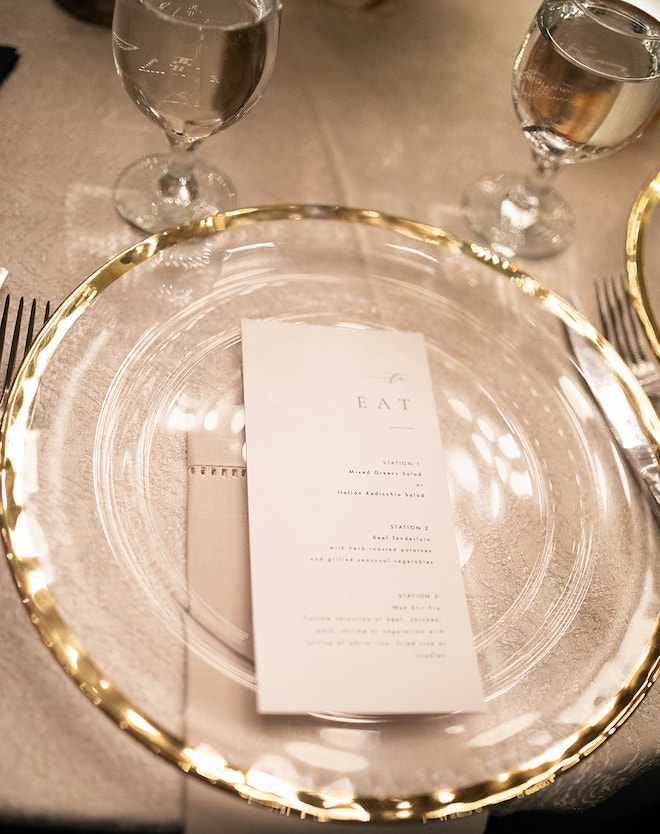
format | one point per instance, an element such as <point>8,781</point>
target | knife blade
<point>613,402</point>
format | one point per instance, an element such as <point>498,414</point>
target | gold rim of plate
<point>640,217</point>
<point>250,785</point>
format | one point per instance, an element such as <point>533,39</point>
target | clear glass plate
<point>559,548</point>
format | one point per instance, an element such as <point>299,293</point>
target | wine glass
<point>194,68</point>
<point>586,82</point>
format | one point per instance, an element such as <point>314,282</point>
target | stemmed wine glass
<point>586,82</point>
<point>194,68</point>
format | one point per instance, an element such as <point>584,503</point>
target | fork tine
<point>3,326</point>
<point>622,300</point>
<point>15,345</point>
<point>638,339</point>
<point>619,322</point>
<point>14,348</point>
<point>622,327</point>
<point>619,307</point>
<point>609,315</point>
<point>30,330</point>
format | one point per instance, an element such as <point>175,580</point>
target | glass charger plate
<point>559,548</point>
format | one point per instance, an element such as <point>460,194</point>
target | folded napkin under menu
<point>218,554</point>
<point>218,579</point>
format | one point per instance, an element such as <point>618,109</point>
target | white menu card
<point>358,601</point>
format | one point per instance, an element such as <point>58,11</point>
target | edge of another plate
<point>640,216</point>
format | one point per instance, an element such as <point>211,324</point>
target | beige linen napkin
<point>218,556</point>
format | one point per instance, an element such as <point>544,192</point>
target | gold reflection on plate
<point>210,765</point>
<point>638,223</point>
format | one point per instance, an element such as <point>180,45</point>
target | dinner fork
<point>622,327</point>
<point>18,346</point>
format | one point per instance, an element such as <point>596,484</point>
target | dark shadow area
<point>630,807</point>
<point>624,811</point>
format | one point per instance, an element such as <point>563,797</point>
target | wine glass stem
<point>543,174</point>
<point>178,181</point>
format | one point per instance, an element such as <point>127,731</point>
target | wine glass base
<point>140,200</point>
<point>513,218</point>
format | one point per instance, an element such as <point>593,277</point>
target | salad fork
<point>17,347</point>
<point>623,329</point>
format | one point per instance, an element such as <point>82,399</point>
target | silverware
<point>623,329</point>
<point>623,420</point>
<point>20,342</point>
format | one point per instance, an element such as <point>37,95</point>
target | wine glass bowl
<point>193,68</point>
<point>586,82</point>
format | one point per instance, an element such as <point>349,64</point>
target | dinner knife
<point>624,423</point>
